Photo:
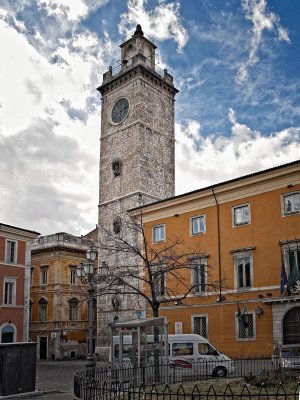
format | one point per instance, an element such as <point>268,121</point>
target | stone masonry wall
<point>144,145</point>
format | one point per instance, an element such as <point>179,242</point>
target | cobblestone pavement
<point>54,380</point>
<point>57,376</point>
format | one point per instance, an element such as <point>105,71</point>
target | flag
<point>242,316</point>
<point>283,280</point>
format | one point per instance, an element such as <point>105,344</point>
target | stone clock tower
<point>136,151</point>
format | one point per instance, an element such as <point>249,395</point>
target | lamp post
<point>87,275</point>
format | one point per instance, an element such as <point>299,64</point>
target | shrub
<point>270,378</point>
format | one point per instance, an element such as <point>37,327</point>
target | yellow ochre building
<point>247,231</point>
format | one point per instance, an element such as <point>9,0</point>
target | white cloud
<point>163,22</point>
<point>44,180</point>
<point>70,9</point>
<point>261,20</point>
<point>49,130</point>
<point>217,159</point>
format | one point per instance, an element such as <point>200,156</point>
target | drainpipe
<point>220,298</point>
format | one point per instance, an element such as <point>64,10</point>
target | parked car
<point>286,357</point>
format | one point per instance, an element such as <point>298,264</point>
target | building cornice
<point>282,177</point>
<point>282,299</point>
<point>126,75</point>
<point>66,248</point>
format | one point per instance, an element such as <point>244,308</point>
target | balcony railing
<point>57,325</point>
<point>61,239</point>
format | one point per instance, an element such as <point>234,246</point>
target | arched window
<point>43,309</point>
<point>7,334</point>
<point>116,167</point>
<point>291,323</point>
<point>117,225</point>
<point>73,309</point>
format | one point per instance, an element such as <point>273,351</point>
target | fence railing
<point>105,383</point>
<point>120,392</point>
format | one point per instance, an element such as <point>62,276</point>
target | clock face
<point>120,110</point>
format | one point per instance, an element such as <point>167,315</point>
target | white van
<point>189,352</point>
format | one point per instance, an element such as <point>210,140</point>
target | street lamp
<point>87,275</point>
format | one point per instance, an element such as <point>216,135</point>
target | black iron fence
<point>164,392</point>
<point>154,381</point>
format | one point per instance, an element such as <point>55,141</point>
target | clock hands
<point>120,110</point>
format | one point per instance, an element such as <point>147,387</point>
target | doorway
<point>291,324</point>
<point>43,347</point>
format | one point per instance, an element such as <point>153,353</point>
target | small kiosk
<point>139,344</point>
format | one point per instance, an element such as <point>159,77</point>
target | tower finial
<point>138,30</point>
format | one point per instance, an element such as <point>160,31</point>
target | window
<point>73,309</point>
<point>159,279</point>
<point>11,251</point>
<point>241,215</point>
<point>116,167</point>
<point>199,272</point>
<point>182,349</point>
<point>206,349</point>
<point>30,310</point>
<point>291,203</point>
<point>9,292</point>
<point>294,258</point>
<point>243,271</point>
<point>43,306</point>
<point>159,233</point>
<point>200,325</point>
<point>8,333</point>
<point>44,275</point>
<point>198,225</point>
<point>31,275</point>
<point>117,225</point>
<point>73,275</point>
<point>291,266</point>
<point>245,326</point>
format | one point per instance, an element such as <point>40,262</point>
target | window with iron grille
<point>199,274</point>
<point>200,325</point>
<point>245,326</point>
<point>11,251</point>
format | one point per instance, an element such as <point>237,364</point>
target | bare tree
<point>160,273</point>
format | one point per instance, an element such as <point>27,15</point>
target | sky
<point>236,64</point>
